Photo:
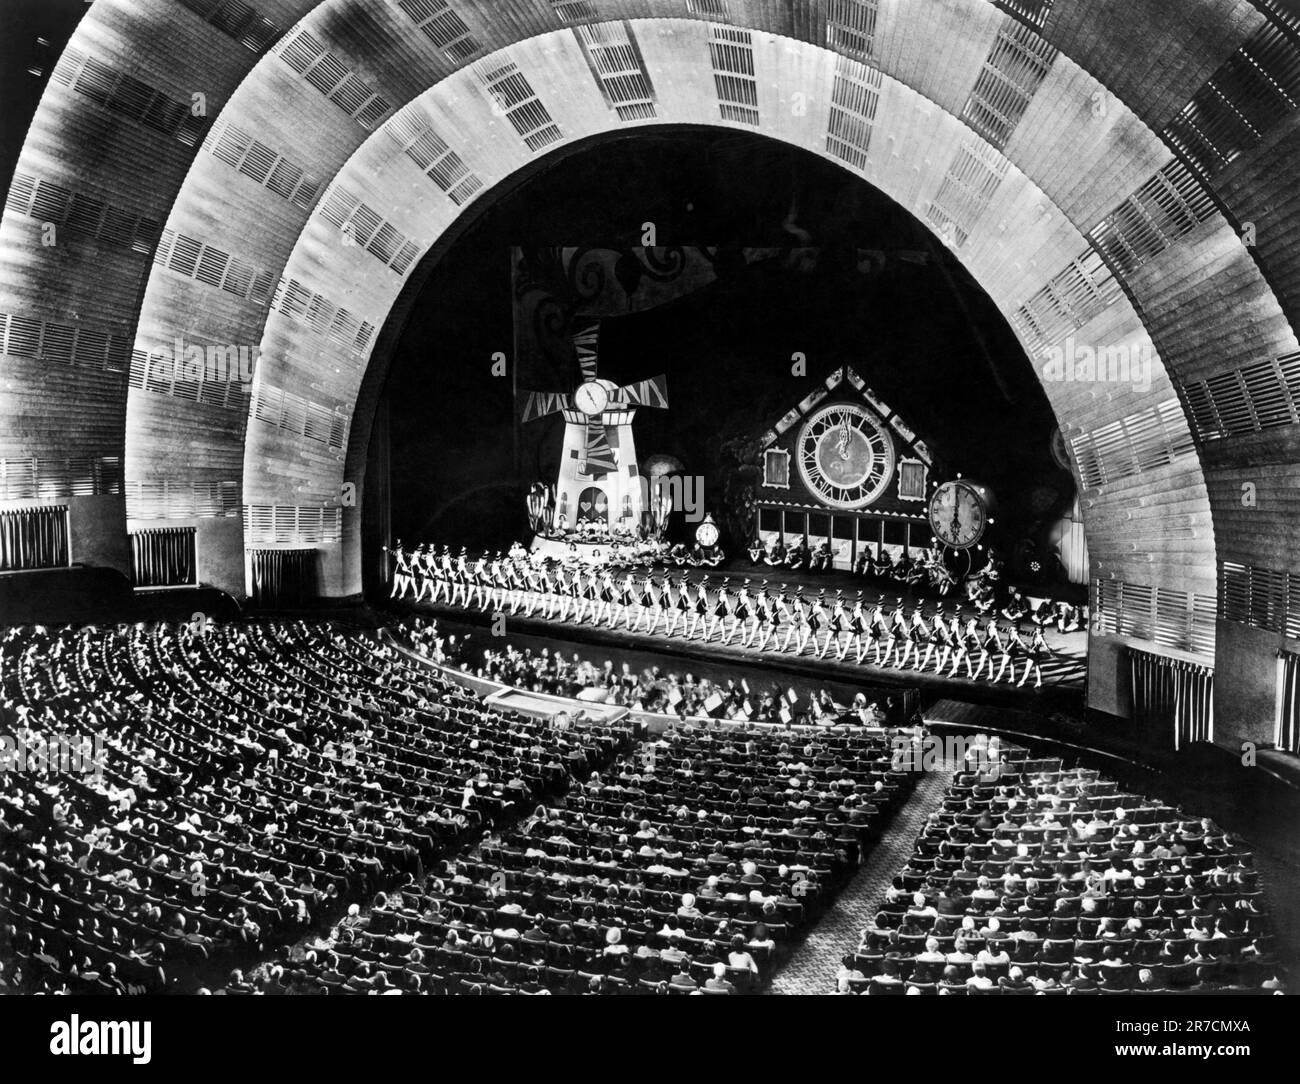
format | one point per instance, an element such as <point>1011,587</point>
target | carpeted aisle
<point>812,968</point>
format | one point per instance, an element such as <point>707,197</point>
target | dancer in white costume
<point>403,580</point>
<point>1035,651</point>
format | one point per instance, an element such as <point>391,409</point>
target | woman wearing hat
<point>699,606</point>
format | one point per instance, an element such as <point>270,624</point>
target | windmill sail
<point>540,403</point>
<point>599,456</point>
<point>644,393</point>
<point>585,343</point>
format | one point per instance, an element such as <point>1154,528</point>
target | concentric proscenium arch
<point>910,135</point>
<point>1205,303</point>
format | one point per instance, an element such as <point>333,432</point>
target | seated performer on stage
<point>1069,618</point>
<point>865,565</point>
<point>1041,612</point>
<point>756,551</point>
<point>979,592</point>
<point>678,555</point>
<point>820,559</point>
<point>1015,608</point>
<point>709,556</point>
<point>796,557</point>
<point>775,556</point>
<point>936,569</point>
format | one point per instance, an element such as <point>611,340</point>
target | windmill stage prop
<point>598,489</point>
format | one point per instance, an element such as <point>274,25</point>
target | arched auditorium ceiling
<point>1091,163</point>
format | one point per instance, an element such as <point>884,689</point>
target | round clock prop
<point>706,534</point>
<point>959,513</point>
<point>591,398</point>
<point>846,457</point>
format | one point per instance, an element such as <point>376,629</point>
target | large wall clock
<point>845,457</point>
<point>959,513</point>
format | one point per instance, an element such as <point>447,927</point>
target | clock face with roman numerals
<point>958,514</point>
<point>845,457</point>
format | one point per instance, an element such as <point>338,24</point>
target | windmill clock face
<point>958,514</point>
<point>591,398</point>
<point>845,457</point>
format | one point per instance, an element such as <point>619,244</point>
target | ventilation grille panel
<point>1181,620</point>
<point>514,98</point>
<point>1012,73</point>
<point>1142,441</point>
<point>307,56</point>
<point>269,523</point>
<point>616,62</point>
<point>851,28</point>
<point>1252,90</point>
<point>36,479</point>
<point>732,54</point>
<point>1247,400</point>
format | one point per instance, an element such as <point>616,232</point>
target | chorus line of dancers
<point>783,618</point>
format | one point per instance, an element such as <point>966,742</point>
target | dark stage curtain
<point>1287,737</point>
<point>34,538</point>
<point>163,557</point>
<point>283,577</point>
<point>1172,696</point>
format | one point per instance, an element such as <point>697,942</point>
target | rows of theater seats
<point>1032,879</point>
<point>256,779</point>
<point>688,866</point>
